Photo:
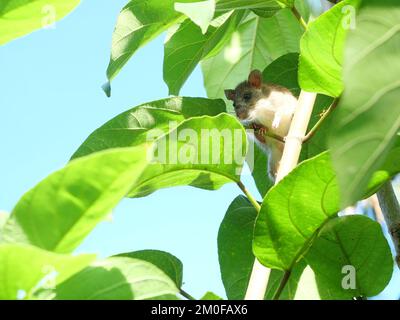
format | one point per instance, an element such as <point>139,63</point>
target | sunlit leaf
<point>25,269</point>
<point>322,47</point>
<point>256,43</point>
<point>367,121</point>
<point>118,278</point>
<point>155,118</point>
<point>187,46</point>
<point>201,12</point>
<point>60,211</point>
<point>296,208</point>
<point>21,17</point>
<point>351,258</point>
<point>165,261</point>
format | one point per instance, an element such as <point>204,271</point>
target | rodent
<point>265,108</point>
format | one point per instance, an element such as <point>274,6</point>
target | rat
<point>264,108</point>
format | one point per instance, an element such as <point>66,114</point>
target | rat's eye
<point>247,96</point>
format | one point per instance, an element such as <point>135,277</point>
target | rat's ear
<point>255,79</point>
<point>230,94</point>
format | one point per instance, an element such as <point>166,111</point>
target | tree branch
<point>319,123</point>
<point>391,212</point>
<point>291,152</point>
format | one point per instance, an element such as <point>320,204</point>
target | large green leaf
<point>296,208</point>
<point>25,269</point>
<point>61,210</point>
<point>234,247</point>
<point>246,4</point>
<point>155,118</point>
<point>139,22</point>
<point>321,47</point>
<point>21,17</point>
<point>187,46</point>
<point>283,71</point>
<point>368,117</point>
<point>165,261</point>
<point>204,152</point>
<point>118,278</point>
<point>201,12</point>
<point>236,258</point>
<point>357,243</point>
<point>256,43</point>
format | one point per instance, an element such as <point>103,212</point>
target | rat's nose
<point>241,115</point>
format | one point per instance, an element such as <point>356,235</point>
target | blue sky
<point>51,101</point>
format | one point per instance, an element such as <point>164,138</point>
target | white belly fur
<point>275,112</point>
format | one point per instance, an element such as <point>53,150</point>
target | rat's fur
<point>265,105</point>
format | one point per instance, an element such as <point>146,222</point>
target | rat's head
<point>246,94</point>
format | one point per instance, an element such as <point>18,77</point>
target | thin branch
<point>186,295</point>
<point>282,284</point>
<point>319,123</point>
<point>249,196</point>
<point>391,212</point>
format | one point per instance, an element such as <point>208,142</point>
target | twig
<point>391,212</point>
<point>319,123</point>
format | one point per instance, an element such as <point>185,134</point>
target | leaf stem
<point>391,212</point>
<point>282,284</point>
<point>186,295</point>
<point>319,123</point>
<point>299,17</point>
<point>249,196</point>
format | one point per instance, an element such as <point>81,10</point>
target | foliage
<point>167,143</point>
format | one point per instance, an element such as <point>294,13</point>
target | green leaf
<point>211,296</point>
<point>288,3</point>
<point>21,17</point>
<point>132,127</point>
<point>234,247</point>
<point>187,46</point>
<point>24,269</point>
<point>201,13</point>
<point>295,209</point>
<point>322,47</point>
<point>256,43</point>
<point>118,278</point>
<point>283,71</point>
<point>139,22</point>
<point>367,121</point>
<point>204,152</point>
<point>354,242</point>
<point>227,5</point>
<point>165,261</point>
<point>236,258</point>
<point>60,211</point>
